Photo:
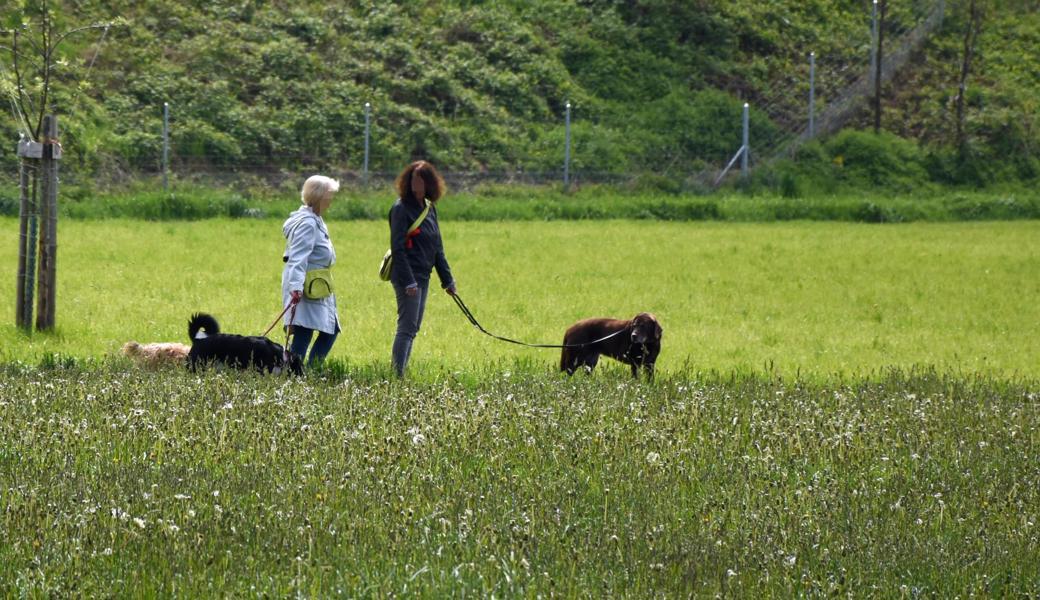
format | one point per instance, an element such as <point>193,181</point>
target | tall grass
<point>116,482</point>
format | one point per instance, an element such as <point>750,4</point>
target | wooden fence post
<point>48,224</point>
<point>29,153</point>
<point>20,318</point>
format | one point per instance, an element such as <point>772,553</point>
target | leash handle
<point>473,321</point>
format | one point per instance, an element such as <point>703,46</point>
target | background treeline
<point>480,87</point>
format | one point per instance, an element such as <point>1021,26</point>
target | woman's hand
<point>411,290</point>
<point>451,289</point>
<point>295,299</point>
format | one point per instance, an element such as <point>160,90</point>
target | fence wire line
<point>855,88</point>
<point>838,111</point>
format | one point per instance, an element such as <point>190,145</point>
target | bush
<point>9,203</point>
<point>704,124</point>
<point>652,182</point>
<point>977,208</point>
<point>883,159</point>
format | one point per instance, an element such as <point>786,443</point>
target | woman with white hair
<point>306,278</point>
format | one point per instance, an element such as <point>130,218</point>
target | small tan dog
<point>157,355</point>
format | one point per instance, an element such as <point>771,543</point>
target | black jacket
<point>414,261</point>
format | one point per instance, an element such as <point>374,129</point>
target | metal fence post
<point>812,95</point>
<point>567,149</point>
<point>746,147</point>
<point>165,146</point>
<point>368,120</point>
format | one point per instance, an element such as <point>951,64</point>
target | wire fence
<point>828,90</point>
<point>906,38</point>
<point>842,88</point>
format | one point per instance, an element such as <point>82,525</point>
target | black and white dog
<point>209,346</point>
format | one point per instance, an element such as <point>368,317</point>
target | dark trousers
<point>410,311</point>
<point>302,338</point>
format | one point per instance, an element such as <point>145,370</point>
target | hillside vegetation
<point>655,87</point>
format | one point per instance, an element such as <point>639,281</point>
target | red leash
<point>279,318</point>
<point>288,329</point>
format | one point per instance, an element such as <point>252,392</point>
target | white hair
<point>316,188</point>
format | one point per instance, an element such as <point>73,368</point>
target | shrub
<point>877,160</point>
<point>977,208</point>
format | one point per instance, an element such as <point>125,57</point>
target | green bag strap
<point>422,217</point>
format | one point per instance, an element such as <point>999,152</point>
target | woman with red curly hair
<point>416,252</point>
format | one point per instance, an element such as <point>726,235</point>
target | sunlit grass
<point>809,298</point>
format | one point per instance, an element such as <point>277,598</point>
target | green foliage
<point>876,160</point>
<point>652,197</point>
<point>851,160</point>
<point>1001,105</point>
<point>186,204</point>
<point>656,88</point>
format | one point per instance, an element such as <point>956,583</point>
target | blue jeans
<point>410,311</point>
<point>302,338</point>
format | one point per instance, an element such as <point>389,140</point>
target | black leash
<point>473,321</point>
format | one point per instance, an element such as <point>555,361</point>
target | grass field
<point>840,410</point>
<point>121,483</point>
<point>809,298</point>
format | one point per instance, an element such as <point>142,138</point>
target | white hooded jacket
<point>308,247</point>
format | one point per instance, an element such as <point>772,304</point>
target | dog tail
<point>202,322</point>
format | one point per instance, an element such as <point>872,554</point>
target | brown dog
<point>636,343</point>
<point>157,355</point>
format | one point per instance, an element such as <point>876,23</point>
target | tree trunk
<point>882,5</point>
<point>971,35</point>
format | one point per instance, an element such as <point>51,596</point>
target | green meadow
<point>840,410</point>
<point>116,482</point>
<point>794,298</point>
